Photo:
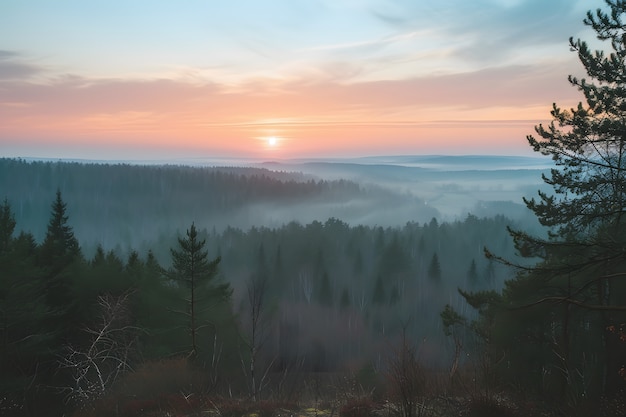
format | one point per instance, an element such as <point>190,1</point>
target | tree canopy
<point>554,319</point>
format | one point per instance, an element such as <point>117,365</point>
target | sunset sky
<point>146,79</point>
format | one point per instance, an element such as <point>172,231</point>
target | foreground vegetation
<point>251,320</point>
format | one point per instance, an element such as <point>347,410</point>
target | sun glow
<point>272,141</point>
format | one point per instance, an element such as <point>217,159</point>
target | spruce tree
<point>198,275</point>
<point>60,246</point>
<point>61,260</point>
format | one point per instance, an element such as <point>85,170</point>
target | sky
<point>154,79</point>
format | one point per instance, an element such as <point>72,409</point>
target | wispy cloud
<point>487,31</point>
<point>367,43</point>
<point>13,66</point>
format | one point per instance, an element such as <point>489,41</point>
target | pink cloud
<point>312,113</point>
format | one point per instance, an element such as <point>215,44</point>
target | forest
<point>274,289</point>
<point>163,313</point>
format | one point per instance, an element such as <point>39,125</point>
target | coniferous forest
<point>300,299</point>
<point>157,310</point>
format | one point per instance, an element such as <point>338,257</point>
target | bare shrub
<point>96,366</point>
<point>405,378</point>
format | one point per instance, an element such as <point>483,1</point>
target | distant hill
<point>112,203</point>
<point>147,200</point>
<point>441,162</point>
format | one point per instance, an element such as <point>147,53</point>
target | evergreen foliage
<point>7,226</point>
<point>552,321</point>
<point>60,246</point>
<point>192,269</point>
<point>54,307</point>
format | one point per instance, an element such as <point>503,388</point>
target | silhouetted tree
<point>61,260</point>
<point>579,279</point>
<point>191,267</point>
<point>7,226</point>
<point>59,247</point>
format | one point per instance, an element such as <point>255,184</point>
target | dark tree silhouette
<point>7,226</point>
<point>60,246</point>
<point>585,213</point>
<point>191,267</point>
<point>578,279</point>
<point>60,259</point>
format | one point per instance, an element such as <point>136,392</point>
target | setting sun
<point>272,141</point>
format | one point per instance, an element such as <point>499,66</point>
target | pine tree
<point>61,260</point>
<point>588,146</point>
<point>7,226</point>
<point>580,279</point>
<point>198,275</point>
<point>59,247</point>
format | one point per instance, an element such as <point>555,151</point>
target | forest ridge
<point>118,195</point>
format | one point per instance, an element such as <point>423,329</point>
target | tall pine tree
<point>198,275</point>
<point>60,258</point>
<point>579,281</point>
<point>59,247</point>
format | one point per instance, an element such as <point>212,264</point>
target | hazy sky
<point>204,78</point>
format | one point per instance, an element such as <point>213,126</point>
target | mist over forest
<point>123,206</point>
<point>376,247</point>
